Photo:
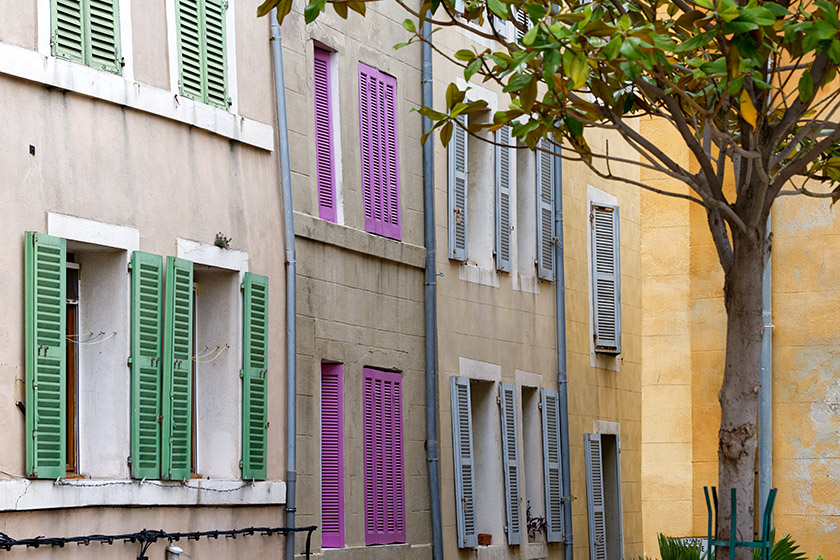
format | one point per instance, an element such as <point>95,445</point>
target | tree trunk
<point>739,393</point>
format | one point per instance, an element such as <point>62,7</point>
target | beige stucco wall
<point>109,163</point>
<point>505,322</point>
<point>360,296</point>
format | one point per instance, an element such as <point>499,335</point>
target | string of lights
<point>147,537</point>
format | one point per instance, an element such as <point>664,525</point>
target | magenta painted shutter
<point>383,456</point>
<point>324,138</point>
<point>332,457</point>
<point>380,160</point>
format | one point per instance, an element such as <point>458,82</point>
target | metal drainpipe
<point>765,394</point>
<point>562,385</point>
<point>431,301</point>
<point>291,278</point>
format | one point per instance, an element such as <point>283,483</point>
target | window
<point>324,155</point>
<point>76,319</point>
<point>603,492</point>
<point>606,277</point>
<point>87,32</point>
<point>332,456</point>
<point>380,166</point>
<point>202,51</point>
<point>383,457</point>
<point>480,464</point>
<point>458,248</point>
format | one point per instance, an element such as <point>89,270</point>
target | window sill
<point>359,241</point>
<point>63,74</point>
<point>28,495</point>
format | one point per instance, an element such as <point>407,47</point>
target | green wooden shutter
<point>190,49</point>
<point>215,53</point>
<point>67,29</point>
<point>102,35</point>
<point>254,390</point>
<point>177,369</point>
<point>146,352</point>
<point>46,316</point>
<point>202,50</point>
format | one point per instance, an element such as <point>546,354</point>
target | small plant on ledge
<point>222,242</point>
<point>535,524</point>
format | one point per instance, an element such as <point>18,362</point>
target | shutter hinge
<point>241,374</point>
<point>539,405</point>
<point>129,266</point>
<point>128,460</point>
<point>129,361</point>
<point>241,464</point>
<point>498,400</point>
<point>242,286</point>
<point>568,498</point>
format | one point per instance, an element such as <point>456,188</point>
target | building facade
<point>144,291</point>
<point>357,189</point>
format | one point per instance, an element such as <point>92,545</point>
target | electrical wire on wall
<point>147,538</point>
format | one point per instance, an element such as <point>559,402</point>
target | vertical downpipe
<point>431,300</point>
<point>562,382</point>
<point>765,395</point>
<point>291,277</point>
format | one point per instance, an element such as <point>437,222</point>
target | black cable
<point>147,537</point>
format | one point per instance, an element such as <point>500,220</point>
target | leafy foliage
<point>785,549</point>
<point>675,549</point>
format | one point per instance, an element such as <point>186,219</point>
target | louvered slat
<point>504,181</point>
<point>323,136</point>
<point>67,29</point>
<point>191,66</point>
<point>367,138</point>
<point>45,323</point>
<point>606,278</point>
<point>462,451</point>
<point>510,462</point>
<point>332,456</point>
<point>215,53</point>
<point>552,466</point>
<point>255,364</point>
<point>545,211</point>
<point>146,354</point>
<point>595,495</point>
<point>103,35</point>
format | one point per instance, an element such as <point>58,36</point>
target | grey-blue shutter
<point>552,466</point>
<point>462,452</point>
<point>606,278</point>
<point>545,210</point>
<point>504,180</point>
<point>458,193</point>
<point>595,498</point>
<point>510,462</point>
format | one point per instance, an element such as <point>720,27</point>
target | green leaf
<point>472,69</point>
<point>575,126</point>
<point>408,25</point>
<point>454,95</point>
<point>806,86</point>
<point>579,70</point>
<point>499,8</point>
<point>612,49</point>
<point>446,134</point>
<point>341,9</point>
<point>430,113</point>
<point>464,55</point>
<point>518,83</point>
<point>264,8</point>
<point>528,38</point>
<point>359,7</point>
<point>528,96</point>
<point>313,9</point>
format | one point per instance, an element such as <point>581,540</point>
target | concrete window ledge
<point>27,495</point>
<point>352,239</point>
<point>378,552</point>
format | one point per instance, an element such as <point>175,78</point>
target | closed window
<point>606,277</point>
<point>383,457</point>
<point>380,165</point>
<point>202,51</point>
<point>87,32</point>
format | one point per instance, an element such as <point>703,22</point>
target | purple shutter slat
<point>332,456</point>
<point>380,162</point>
<point>383,453</point>
<point>324,137</point>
